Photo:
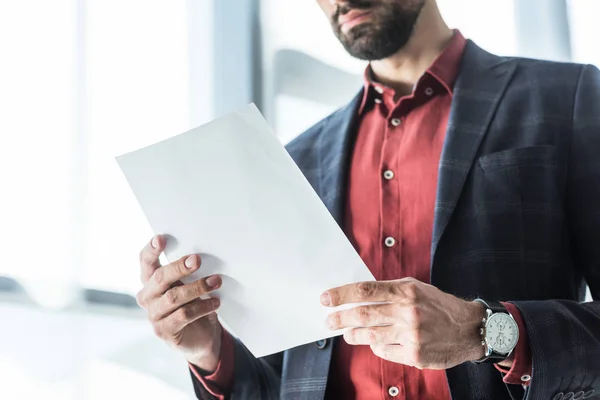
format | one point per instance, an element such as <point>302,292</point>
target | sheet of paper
<point>229,191</point>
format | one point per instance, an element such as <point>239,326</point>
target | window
<point>583,17</point>
<point>137,93</point>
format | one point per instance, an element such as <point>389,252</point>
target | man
<point>469,184</point>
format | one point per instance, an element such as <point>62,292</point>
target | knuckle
<point>373,336</point>
<point>140,299</point>
<point>159,276</point>
<point>364,290</point>
<point>182,314</point>
<point>186,313</point>
<point>335,297</point>
<point>362,315</point>
<point>171,297</point>
<point>158,330</point>
<point>411,291</point>
<point>154,317</point>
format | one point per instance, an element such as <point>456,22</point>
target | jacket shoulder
<point>548,71</point>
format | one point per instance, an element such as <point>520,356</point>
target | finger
<point>183,294</point>
<point>363,316</point>
<point>149,261</point>
<point>164,277</point>
<point>372,336</point>
<point>391,352</point>
<point>185,315</point>
<point>401,290</point>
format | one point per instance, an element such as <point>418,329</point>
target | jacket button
<point>321,344</point>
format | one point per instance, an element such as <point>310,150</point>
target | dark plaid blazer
<point>517,218</point>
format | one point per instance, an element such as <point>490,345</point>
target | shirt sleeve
<point>220,382</point>
<point>520,372</point>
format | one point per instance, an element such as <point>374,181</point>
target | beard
<point>390,27</point>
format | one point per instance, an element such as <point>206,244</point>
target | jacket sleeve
<point>565,335</point>
<point>252,378</point>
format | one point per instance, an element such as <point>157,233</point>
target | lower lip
<point>346,26</point>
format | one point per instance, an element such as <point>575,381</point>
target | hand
<point>177,313</point>
<point>419,325</point>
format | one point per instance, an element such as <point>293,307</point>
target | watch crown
<point>483,343</point>
<point>481,331</point>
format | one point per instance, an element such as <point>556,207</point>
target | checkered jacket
<point>517,218</point>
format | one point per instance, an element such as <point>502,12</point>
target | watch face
<point>502,333</point>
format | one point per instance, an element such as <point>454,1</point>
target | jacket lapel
<point>481,83</point>
<point>335,146</point>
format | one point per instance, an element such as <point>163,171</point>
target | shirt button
<point>390,241</point>
<point>393,391</point>
<point>526,378</point>
<point>378,89</point>
<point>388,175</point>
<point>429,91</point>
<point>378,101</point>
<point>396,121</point>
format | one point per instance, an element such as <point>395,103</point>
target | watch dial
<point>502,333</point>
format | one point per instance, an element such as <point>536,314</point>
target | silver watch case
<point>490,316</point>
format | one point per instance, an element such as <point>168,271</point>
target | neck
<point>402,70</point>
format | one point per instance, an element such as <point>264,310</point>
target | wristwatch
<point>499,332</point>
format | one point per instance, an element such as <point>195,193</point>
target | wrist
<point>207,360</point>
<point>474,349</point>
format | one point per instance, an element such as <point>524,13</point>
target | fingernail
<point>190,262</point>
<point>155,242</point>
<point>213,281</point>
<point>325,299</point>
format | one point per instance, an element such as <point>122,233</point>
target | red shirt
<point>391,195</point>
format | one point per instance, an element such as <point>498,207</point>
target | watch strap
<point>495,306</point>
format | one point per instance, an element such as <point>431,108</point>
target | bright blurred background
<point>82,81</point>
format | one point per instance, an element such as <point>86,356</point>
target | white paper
<point>230,192</point>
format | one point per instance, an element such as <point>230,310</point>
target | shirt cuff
<point>520,372</point>
<point>220,382</point>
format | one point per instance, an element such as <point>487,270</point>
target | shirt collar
<point>444,69</point>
